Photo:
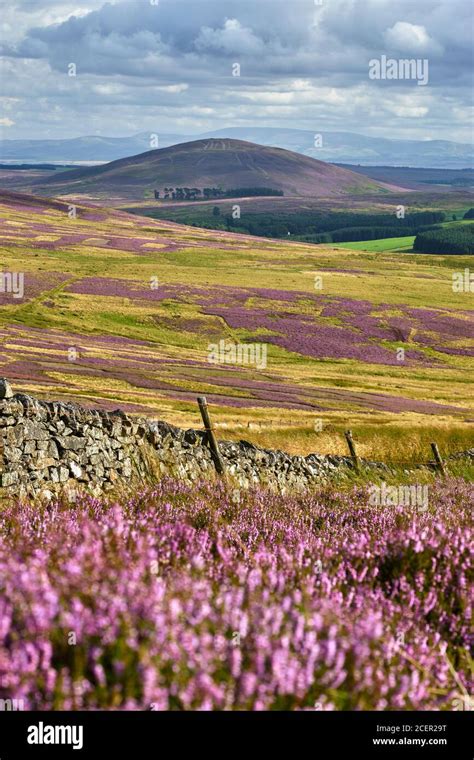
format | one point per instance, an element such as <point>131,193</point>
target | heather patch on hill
<point>317,327</point>
<point>202,598</point>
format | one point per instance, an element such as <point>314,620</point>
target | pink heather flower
<point>239,615</point>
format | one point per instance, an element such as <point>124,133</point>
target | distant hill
<point>417,178</point>
<point>223,164</point>
<point>81,149</point>
<point>337,147</point>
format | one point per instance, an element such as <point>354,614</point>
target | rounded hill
<point>212,163</point>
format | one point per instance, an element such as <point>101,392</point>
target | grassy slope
<point>164,374</point>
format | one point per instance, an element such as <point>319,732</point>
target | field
<point>121,311</point>
<point>397,245</point>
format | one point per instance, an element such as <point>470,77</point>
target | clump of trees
<point>206,193</point>
<point>469,214</point>
<point>455,240</point>
<point>182,193</point>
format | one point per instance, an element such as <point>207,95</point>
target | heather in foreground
<point>207,598</point>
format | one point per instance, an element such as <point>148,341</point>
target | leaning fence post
<point>211,438</point>
<point>352,449</point>
<point>438,460</point>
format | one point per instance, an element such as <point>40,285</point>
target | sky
<point>168,66</point>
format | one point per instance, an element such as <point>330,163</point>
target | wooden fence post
<point>211,438</point>
<point>438,460</point>
<point>352,449</point>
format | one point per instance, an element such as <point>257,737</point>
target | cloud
<point>407,111</point>
<point>410,38</point>
<point>231,38</point>
<point>108,89</point>
<point>6,122</point>
<point>169,66</point>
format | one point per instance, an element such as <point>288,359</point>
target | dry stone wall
<point>46,447</point>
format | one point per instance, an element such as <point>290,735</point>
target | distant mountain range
<point>417,179</point>
<point>334,147</point>
<point>209,163</point>
<point>350,148</point>
<point>81,149</point>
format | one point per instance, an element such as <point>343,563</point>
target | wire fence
<point>436,463</point>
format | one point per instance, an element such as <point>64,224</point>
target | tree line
<point>452,240</point>
<point>333,227</point>
<point>207,193</point>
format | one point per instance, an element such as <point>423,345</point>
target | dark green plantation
<point>308,226</point>
<point>458,239</point>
